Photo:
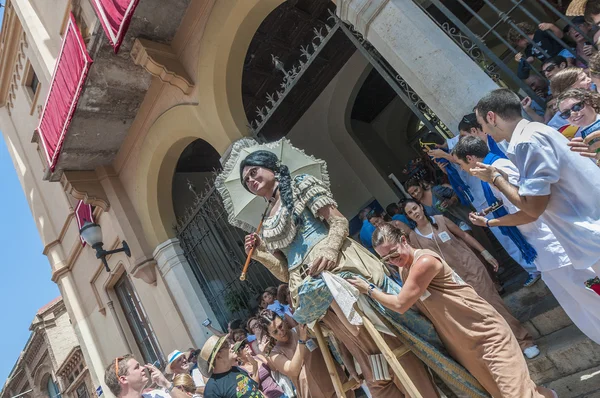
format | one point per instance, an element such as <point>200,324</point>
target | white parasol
<point>244,209</point>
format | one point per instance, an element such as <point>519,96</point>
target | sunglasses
<point>575,108</point>
<point>549,68</point>
<point>390,256</point>
<point>117,360</point>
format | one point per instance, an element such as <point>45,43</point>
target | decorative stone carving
<point>145,271</point>
<point>84,185</point>
<point>160,61</point>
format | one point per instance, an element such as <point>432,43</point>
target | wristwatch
<point>170,388</point>
<point>371,288</point>
<point>300,341</point>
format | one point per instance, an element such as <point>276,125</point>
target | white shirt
<point>479,202</point>
<point>551,254</point>
<point>156,394</point>
<point>548,167</point>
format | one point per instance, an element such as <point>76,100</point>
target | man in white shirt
<point>555,184</point>
<point>566,283</point>
<point>126,378</point>
<point>469,127</point>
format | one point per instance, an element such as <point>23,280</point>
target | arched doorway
<point>213,247</point>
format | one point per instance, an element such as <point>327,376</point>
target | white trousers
<point>514,251</point>
<point>581,304</point>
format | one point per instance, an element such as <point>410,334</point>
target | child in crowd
<point>546,46</point>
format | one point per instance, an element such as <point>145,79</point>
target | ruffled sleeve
<point>312,193</point>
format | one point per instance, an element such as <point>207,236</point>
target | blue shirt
<point>366,234</point>
<point>277,308</point>
<point>400,217</point>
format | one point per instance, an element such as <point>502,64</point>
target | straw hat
<point>209,351</point>
<point>576,8</point>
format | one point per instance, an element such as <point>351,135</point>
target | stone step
<point>563,353</point>
<point>518,297</point>
<point>543,318</point>
<point>585,384</point>
<point>536,308</point>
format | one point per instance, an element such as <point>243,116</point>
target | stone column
<point>84,330</point>
<point>184,288</point>
<point>439,71</point>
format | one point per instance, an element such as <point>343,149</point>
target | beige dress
<point>361,346</point>
<point>314,380</point>
<point>468,266</point>
<point>474,333</point>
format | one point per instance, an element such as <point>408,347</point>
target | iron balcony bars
<point>475,44</point>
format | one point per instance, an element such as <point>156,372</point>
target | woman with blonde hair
<point>472,330</point>
<point>185,383</point>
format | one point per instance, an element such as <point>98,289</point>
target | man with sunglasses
<point>126,378</point>
<point>553,65</point>
<point>556,184</point>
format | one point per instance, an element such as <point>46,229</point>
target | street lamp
<point>91,233</point>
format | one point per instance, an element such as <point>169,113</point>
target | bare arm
<point>552,28</point>
<point>421,275</point>
<point>216,332</point>
<point>509,220</point>
<point>534,206</point>
<point>292,367</point>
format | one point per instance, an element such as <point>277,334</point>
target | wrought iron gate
<point>215,251</point>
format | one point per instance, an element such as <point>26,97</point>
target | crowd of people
<point>425,269</point>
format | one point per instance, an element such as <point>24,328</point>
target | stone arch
<point>218,118</point>
<point>225,44</point>
<point>41,376</point>
<point>170,134</point>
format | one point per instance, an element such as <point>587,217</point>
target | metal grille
<point>484,38</point>
<point>215,251</point>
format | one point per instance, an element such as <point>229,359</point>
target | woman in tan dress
<point>472,330</point>
<point>293,357</point>
<point>442,236</point>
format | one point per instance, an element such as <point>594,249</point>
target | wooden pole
<point>335,378</point>
<point>390,357</point>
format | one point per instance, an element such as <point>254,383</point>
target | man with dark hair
<point>553,65</point>
<point>126,378</point>
<point>565,282</point>
<point>556,184</point>
<point>592,12</point>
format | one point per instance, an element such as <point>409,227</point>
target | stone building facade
<point>51,364</point>
<point>153,119</point>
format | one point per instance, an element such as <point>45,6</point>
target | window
<point>81,391</point>
<point>32,85</point>
<point>52,389</point>
<point>35,83</point>
<point>138,321</point>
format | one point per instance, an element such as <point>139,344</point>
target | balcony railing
<point>480,28</point>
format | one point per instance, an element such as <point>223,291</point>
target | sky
<point>25,284</point>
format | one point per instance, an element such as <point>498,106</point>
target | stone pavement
<point>569,362</point>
